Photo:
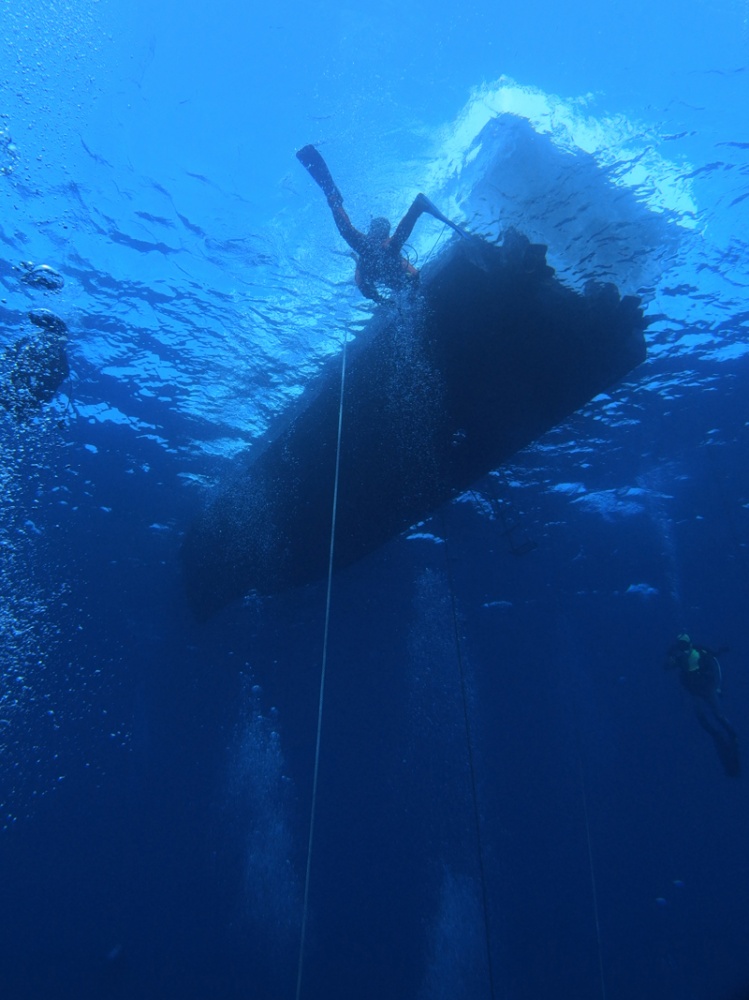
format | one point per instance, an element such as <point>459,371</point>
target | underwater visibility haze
<point>490,745</point>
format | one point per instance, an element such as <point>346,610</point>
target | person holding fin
<point>379,258</point>
<point>700,673</point>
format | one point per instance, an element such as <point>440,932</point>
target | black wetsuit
<point>379,262</point>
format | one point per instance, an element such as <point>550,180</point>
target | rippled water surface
<point>150,199</point>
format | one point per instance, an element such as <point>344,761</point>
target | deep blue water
<point>514,799</point>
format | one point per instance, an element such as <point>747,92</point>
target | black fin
<point>431,209</point>
<point>727,747</point>
<point>317,168</point>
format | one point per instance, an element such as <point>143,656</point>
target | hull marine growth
<point>441,389</point>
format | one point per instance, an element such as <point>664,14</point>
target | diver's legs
<point>406,225</point>
<point>710,716</point>
<point>723,735</point>
<point>317,168</point>
<point>706,719</point>
<point>345,226</point>
<point>420,204</point>
<point>713,700</point>
<point>425,205</point>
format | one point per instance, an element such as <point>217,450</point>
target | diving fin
<point>726,743</point>
<point>317,168</point>
<point>431,209</point>
<point>727,747</point>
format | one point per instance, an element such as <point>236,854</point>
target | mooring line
<point>593,885</point>
<point>323,671</point>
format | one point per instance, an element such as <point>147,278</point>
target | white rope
<point>594,890</point>
<point>323,670</point>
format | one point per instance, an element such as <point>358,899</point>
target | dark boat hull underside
<point>497,352</point>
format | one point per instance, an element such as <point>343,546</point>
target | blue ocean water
<point>514,799</point>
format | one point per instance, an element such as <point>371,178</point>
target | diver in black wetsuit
<point>379,258</point>
<point>700,673</point>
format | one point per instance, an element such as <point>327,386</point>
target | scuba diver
<point>700,674</point>
<point>34,368</point>
<point>379,260</point>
